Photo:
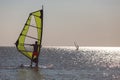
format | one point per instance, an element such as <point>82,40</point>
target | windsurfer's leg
<point>31,61</point>
<point>31,64</point>
<point>36,62</point>
<point>36,66</point>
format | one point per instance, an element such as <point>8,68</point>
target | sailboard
<point>31,32</point>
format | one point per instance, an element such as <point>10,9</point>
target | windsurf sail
<point>32,31</point>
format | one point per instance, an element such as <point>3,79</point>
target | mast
<point>41,29</point>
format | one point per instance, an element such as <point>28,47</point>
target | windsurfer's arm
<point>29,44</point>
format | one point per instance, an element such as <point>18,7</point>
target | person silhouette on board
<point>35,54</point>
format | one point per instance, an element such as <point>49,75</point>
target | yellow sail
<point>21,43</point>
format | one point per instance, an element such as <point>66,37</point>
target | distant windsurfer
<point>35,54</point>
<point>76,45</point>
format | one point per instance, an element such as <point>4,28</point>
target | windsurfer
<point>35,54</point>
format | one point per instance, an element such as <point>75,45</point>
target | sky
<point>87,22</point>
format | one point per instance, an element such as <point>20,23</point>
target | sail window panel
<point>31,35</point>
<point>33,22</point>
<point>39,27</point>
<point>32,31</point>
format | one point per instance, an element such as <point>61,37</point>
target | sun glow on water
<point>102,48</point>
<point>108,57</point>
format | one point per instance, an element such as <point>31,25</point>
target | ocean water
<point>87,63</point>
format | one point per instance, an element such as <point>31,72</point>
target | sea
<point>87,63</point>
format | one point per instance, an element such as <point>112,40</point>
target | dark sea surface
<point>101,63</point>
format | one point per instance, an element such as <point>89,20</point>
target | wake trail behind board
<point>39,66</point>
<point>48,66</point>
